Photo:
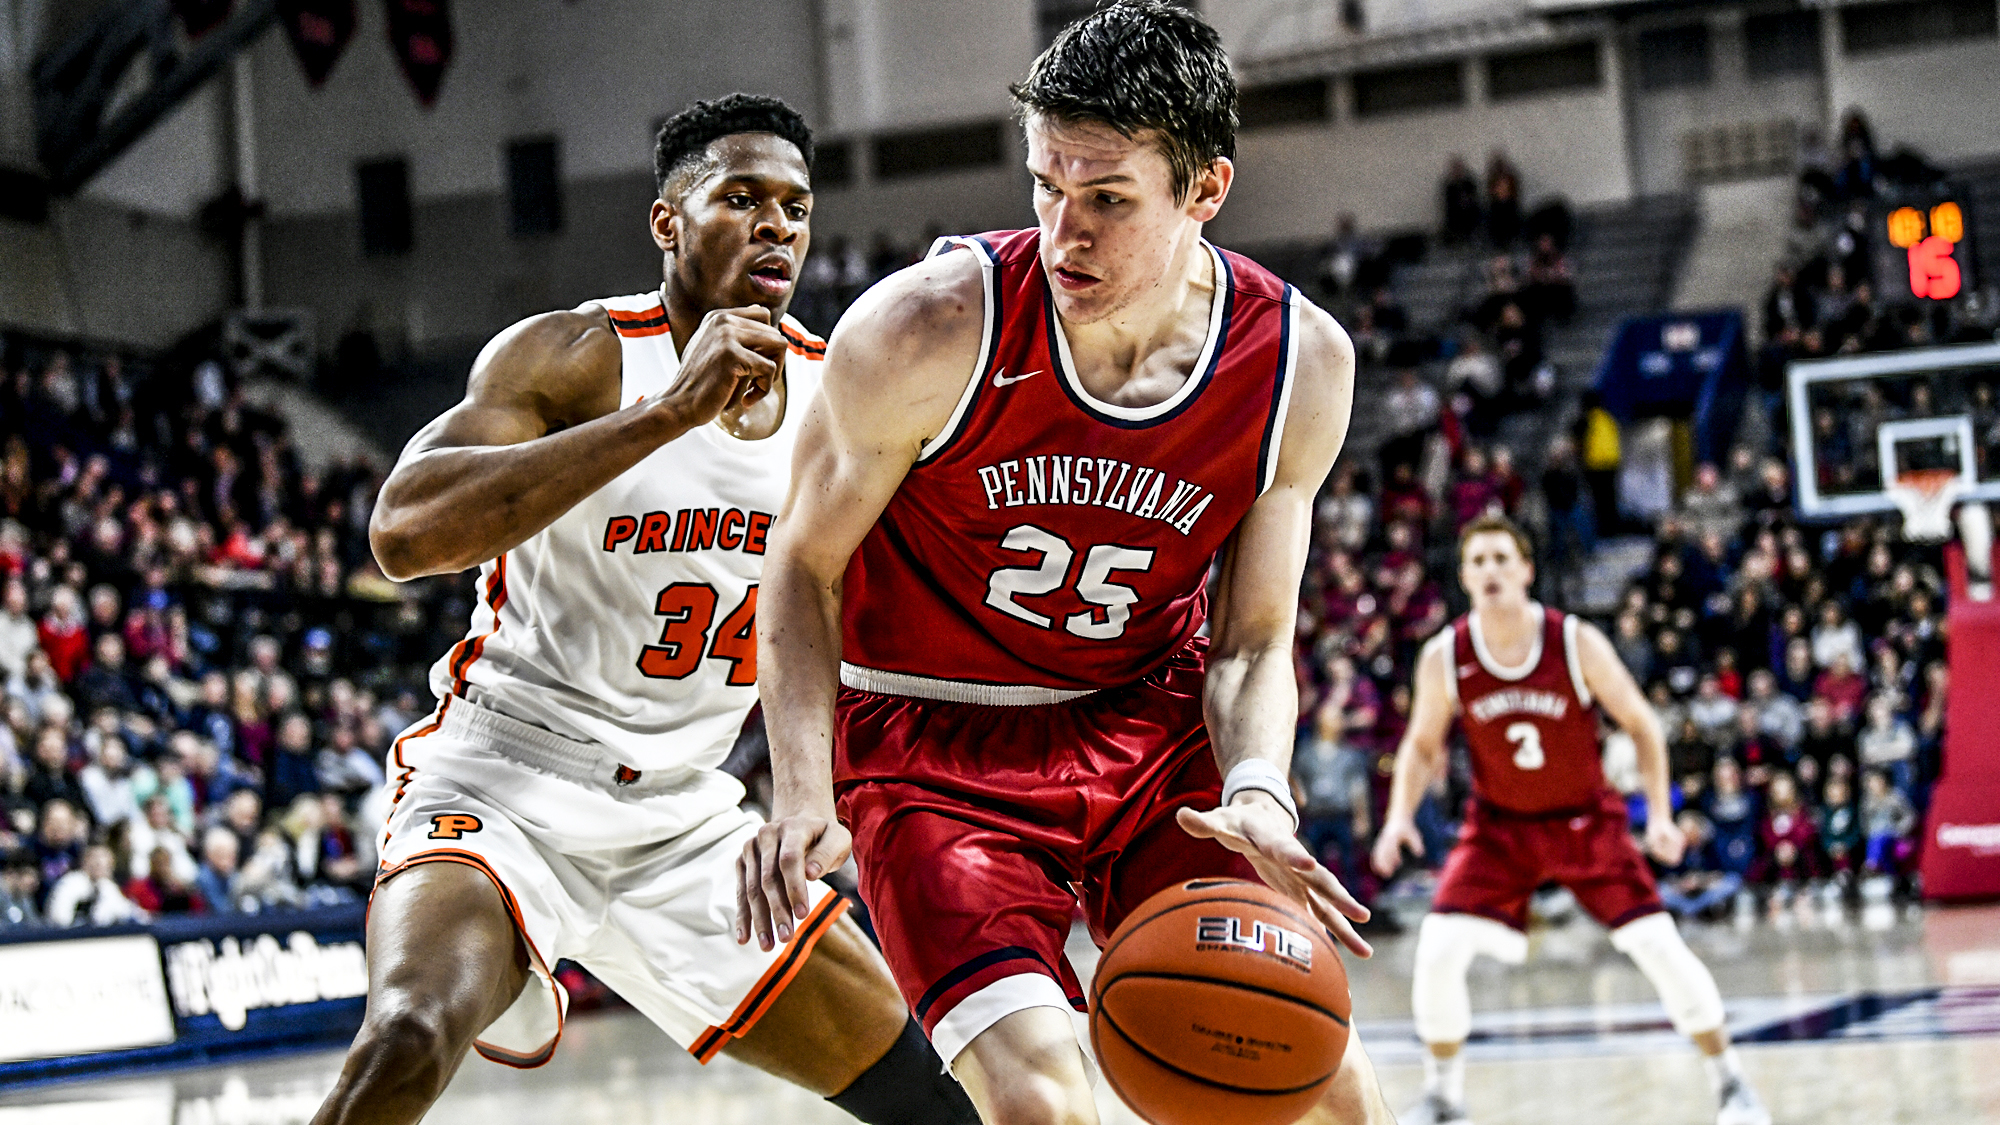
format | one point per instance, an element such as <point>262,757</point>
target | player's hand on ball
<point>1665,841</point>
<point>1255,827</point>
<point>773,873</point>
<point>1397,834</point>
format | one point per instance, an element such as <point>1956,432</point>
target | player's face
<point>1493,570</point>
<point>1111,226</point>
<point>738,233</point>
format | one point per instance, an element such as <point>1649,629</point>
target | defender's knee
<point>1446,945</point>
<point>1686,987</point>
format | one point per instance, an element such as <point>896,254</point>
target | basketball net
<point>1925,496</point>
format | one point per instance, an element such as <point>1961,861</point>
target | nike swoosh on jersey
<point>1465,670</point>
<point>1000,378</point>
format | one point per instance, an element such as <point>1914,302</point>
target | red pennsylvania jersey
<point>1531,729</point>
<point>1047,542</point>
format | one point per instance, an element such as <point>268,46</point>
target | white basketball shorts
<point>635,881</point>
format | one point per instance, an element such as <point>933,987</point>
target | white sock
<point>1445,1077</point>
<point>1723,1068</point>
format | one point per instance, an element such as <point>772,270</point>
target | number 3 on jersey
<point>1527,740</point>
<point>689,608</point>
<point>1093,585</point>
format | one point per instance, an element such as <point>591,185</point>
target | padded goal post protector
<point>1961,853</point>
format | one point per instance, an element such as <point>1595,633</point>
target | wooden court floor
<point>1846,1018</point>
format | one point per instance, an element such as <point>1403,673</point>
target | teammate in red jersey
<point>1027,451</point>
<point>1522,680</point>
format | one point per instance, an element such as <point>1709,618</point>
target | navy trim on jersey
<point>990,279</point>
<point>1277,392</point>
<point>1206,376</point>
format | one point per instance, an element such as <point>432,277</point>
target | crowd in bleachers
<point>202,666</point>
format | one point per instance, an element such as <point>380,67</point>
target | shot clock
<point>1929,243</point>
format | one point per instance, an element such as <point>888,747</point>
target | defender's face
<point>1493,571</point>
<point>1111,226</point>
<point>739,232</point>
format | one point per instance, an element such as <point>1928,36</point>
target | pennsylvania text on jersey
<point>1104,482</point>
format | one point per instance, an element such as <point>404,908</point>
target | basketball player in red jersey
<point>1522,681</point>
<point>980,648</point>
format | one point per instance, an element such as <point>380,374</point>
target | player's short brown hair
<point>1491,523</point>
<point>1141,65</point>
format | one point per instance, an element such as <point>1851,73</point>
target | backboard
<point>1858,422</point>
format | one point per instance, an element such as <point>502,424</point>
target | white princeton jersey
<point>631,620</point>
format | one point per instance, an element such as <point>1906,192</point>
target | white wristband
<point>1256,773</point>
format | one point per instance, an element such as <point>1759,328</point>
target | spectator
<point>1840,828</point>
<point>1332,776</point>
<point>1345,510</point>
<point>1551,288</point>
<point>1461,201</point>
<point>1887,744</point>
<point>1475,374</point>
<point>346,766</point>
<point>292,769</point>
<point>20,890</point>
<point>1349,262</point>
<point>1698,886</point>
<point>18,635</point>
<point>50,778</point>
<point>1411,408</point>
<point>155,830</point>
<point>1571,526</point>
<point>88,895</point>
<point>269,879</point>
<point>107,783</point>
<point>1628,637</point>
<point>1778,714</point>
<point>1842,687</point>
<point>1710,505</point>
<point>40,691</point>
<point>1796,676</point>
<point>163,890</point>
<point>64,637</point>
<point>1887,821</point>
<point>242,813</point>
<point>1788,836</point>
<point>1732,811</point>
<point>1835,636</point>
<point>216,881</point>
<point>1473,493</point>
<point>1713,713</point>
<point>1597,436</point>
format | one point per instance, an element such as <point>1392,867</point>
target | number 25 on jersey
<point>1113,602</point>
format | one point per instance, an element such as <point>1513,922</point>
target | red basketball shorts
<point>1502,857</point>
<point>979,829</point>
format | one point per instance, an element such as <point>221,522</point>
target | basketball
<point>1220,1000</point>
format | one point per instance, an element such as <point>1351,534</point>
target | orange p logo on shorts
<point>450,826</point>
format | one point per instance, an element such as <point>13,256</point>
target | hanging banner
<point>319,31</point>
<point>420,33</point>
<point>201,16</point>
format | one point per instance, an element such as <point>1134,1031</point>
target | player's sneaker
<point>1435,1110</point>
<point>1740,1106</point>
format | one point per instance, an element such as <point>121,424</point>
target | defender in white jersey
<point>613,472</point>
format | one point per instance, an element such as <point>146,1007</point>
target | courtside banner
<point>213,986</point>
<point>82,997</point>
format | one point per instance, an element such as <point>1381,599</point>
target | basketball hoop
<point>1926,496</point>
